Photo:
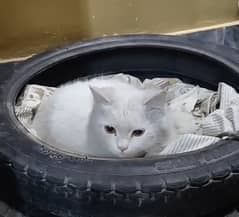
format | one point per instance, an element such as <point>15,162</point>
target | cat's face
<point>129,127</point>
<point>126,133</point>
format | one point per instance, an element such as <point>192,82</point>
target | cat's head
<point>128,124</point>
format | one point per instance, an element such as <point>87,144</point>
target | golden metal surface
<point>31,26</point>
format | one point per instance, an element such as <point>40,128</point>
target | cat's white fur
<point>74,119</point>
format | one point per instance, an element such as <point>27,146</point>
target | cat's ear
<point>155,99</point>
<point>101,94</point>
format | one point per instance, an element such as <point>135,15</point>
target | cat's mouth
<point>140,154</point>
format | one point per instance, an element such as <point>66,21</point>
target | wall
<point>31,26</point>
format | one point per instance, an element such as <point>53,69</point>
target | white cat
<point>105,118</point>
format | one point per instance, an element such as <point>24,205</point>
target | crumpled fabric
<point>212,112</point>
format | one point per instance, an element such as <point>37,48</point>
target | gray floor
<point>234,214</point>
<point>6,211</point>
<point>227,36</point>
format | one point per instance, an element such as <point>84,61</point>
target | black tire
<point>191,184</point>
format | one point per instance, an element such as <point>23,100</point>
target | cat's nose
<point>123,147</point>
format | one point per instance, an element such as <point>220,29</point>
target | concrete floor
<point>6,211</point>
<point>234,214</point>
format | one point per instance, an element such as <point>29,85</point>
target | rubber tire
<point>43,180</point>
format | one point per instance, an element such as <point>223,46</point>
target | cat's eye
<point>138,132</point>
<point>110,129</point>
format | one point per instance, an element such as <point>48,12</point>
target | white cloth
<point>199,103</point>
